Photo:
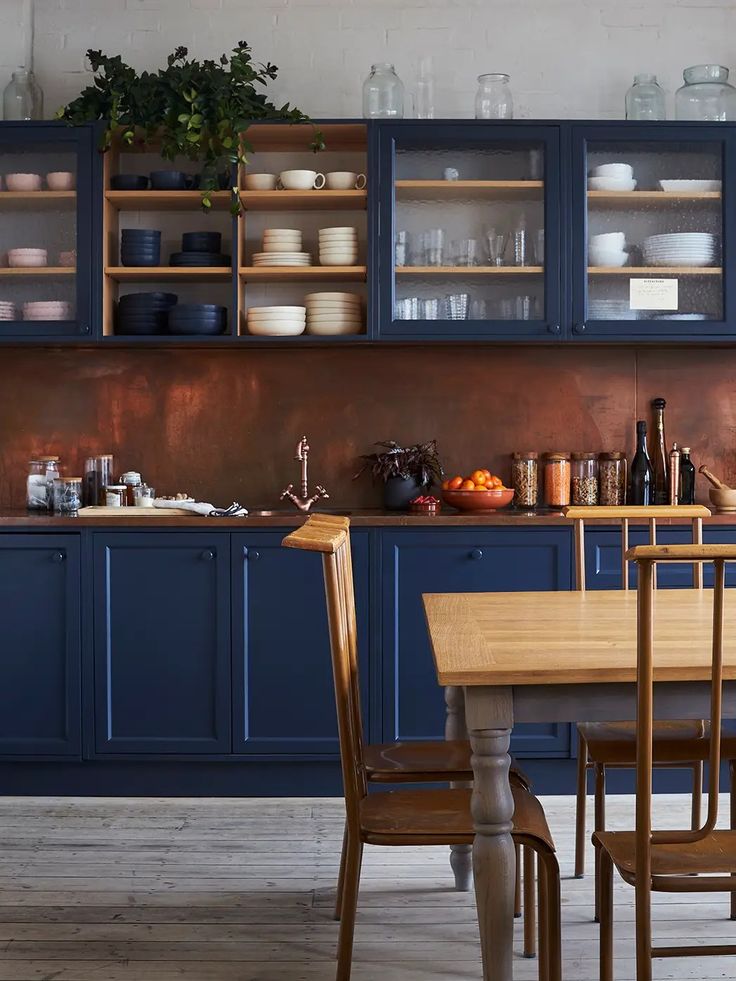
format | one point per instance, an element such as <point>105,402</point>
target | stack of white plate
<point>606,309</point>
<point>47,310</point>
<point>333,313</point>
<point>338,246</point>
<point>277,321</point>
<point>680,249</point>
<point>282,247</point>
<point>7,310</point>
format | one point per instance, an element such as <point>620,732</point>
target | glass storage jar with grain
<point>612,479</point>
<point>556,480</point>
<point>584,479</point>
<point>525,478</point>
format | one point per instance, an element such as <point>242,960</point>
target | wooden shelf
<point>627,198</point>
<point>313,200</point>
<point>195,274</point>
<point>469,270</point>
<point>44,199</point>
<point>38,271</point>
<point>297,137</point>
<point>165,200</point>
<point>302,274</point>
<point>510,190</point>
<point>655,271</point>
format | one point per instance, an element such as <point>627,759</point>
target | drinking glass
<point>424,93</point>
<point>434,244</point>
<point>539,247</point>
<point>402,248</point>
<point>466,252</point>
<point>457,306</point>
<point>521,242</point>
<point>478,310</point>
<point>523,307</point>
<point>508,309</point>
<point>497,243</point>
<point>429,309</point>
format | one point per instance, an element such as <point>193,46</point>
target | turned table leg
<point>489,715</point>
<point>460,855</point>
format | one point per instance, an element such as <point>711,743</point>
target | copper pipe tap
<point>304,501</point>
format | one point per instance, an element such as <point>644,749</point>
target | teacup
<point>260,182</point>
<point>301,180</point>
<point>344,180</point>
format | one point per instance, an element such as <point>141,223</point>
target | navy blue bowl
<point>129,182</point>
<point>139,260</point>
<point>184,309</point>
<point>196,327</point>
<point>125,326</point>
<point>170,180</point>
<point>147,300</point>
<point>140,233</point>
<point>201,241</point>
<point>140,250</point>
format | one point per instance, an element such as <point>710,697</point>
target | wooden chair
<point>603,745</point>
<point>406,817</point>
<point>668,861</point>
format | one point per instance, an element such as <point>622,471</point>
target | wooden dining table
<point>555,657</point>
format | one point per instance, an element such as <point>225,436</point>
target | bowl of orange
<point>481,491</point>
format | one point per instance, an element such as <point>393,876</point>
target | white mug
<point>301,180</point>
<point>344,180</point>
<point>260,182</point>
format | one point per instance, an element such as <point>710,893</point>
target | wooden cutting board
<point>105,512</point>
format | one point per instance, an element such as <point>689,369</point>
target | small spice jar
<point>67,495</point>
<point>584,479</point>
<point>116,496</point>
<point>612,478</point>
<point>144,496</point>
<point>556,480</point>
<point>525,478</point>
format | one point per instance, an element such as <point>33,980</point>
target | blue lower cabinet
<point>444,560</point>
<point>40,659</point>
<point>283,694</point>
<point>162,642</point>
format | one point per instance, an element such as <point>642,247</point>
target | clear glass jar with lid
<point>556,479</point>
<point>39,484</point>
<point>645,99</point>
<point>706,95</point>
<point>131,479</point>
<point>493,100</point>
<point>67,495</point>
<point>584,479</point>
<point>383,93</point>
<point>612,479</point>
<point>525,478</point>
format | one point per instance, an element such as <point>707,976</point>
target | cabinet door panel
<point>40,649</point>
<point>284,699</point>
<point>467,561</point>
<point>162,643</point>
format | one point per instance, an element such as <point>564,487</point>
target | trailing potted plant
<point>406,471</point>
<point>198,110</point>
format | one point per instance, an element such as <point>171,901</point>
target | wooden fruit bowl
<point>486,500</point>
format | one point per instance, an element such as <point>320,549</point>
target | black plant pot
<point>398,491</point>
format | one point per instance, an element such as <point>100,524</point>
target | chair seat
<point>439,760</point>
<point>442,817</point>
<point>713,854</point>
<point>614,743</point>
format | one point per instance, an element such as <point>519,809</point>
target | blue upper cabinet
<point>40,606</point>
<point>283,698</point>
<point>652,231</point>
<point>469,238</point>
<point>162,642</point>
<point>49,204</point>
<point>443,560</point>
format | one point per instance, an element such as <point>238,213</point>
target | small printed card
<point>653,294</point>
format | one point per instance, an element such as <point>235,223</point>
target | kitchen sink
<point>280,512</point>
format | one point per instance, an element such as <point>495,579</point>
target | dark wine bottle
<point>641,488</point>
<point>687,477</point>
<point>660,460</point>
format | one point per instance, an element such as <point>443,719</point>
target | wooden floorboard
<point>242,890</point>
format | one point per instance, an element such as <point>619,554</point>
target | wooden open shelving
<point>507,190</point>
<point>166,200</point>
<point>469,270</point>
<point>44,199</point>
<point>314,200</point>
<point>628,198</point>
<point>655,271</point>
<point>169,274</point>
<point>302,274</point>
<point>37,271</point>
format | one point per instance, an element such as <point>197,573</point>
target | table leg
<point>489,715</point>
<point>461,861</point>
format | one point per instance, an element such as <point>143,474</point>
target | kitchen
<point>518,307</point>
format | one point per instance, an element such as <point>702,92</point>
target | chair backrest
<point>330,535</point>
<point>646,556</point>
<point>624,513</point>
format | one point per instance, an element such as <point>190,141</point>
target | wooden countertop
<point>363,518</point>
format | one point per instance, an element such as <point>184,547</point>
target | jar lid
<point>67,480</point>
<point>585,456</point>
<point>684,449</point>
<point>525,455</point>
<point>116,487</point>
<point>130,477</point>
<point>48,459</point>
<point>557,456</point>
<point>105,456</point>
<point>612,455</point>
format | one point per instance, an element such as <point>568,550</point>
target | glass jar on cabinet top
<point>493,100</point>
<point>645,98</point>
<point>707,95</point>
<point>383,93</point>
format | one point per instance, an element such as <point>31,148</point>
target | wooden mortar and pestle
<point>723,496</point>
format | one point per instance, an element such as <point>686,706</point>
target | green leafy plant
<point>198,110</point>
<point>419,462</point>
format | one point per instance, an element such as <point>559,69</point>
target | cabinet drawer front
<point>449,561</point>
<point>162,643</point>
<point>40,651</point>
<point>284,700</point>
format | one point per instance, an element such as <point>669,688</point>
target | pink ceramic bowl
<point>68,259</point>
<point>60,180</point>
<point>26,258</point>
<point>23,182</point>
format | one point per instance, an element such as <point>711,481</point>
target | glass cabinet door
<point>649,230</point>
<point>46,230</point>
<point>468,234</point>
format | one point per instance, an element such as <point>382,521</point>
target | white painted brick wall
<point>567,58</point>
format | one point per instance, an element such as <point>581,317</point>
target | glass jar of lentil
<point>612,478</point>
<point>556,480</point>
<point>584,479</point>
<point>525,478</point>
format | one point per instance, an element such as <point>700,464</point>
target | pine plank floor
<point>241,890</point>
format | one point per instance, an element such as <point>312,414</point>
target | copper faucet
<point>303,501</point>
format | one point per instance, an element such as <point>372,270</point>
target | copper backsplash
<point>222,424</point>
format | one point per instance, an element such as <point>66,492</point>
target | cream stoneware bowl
<point>60,180</point>
<point>23,182</point>
<point>260,182</point>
